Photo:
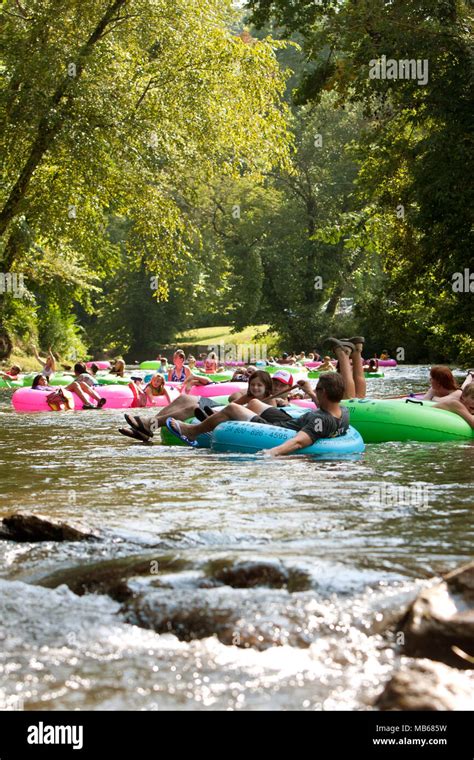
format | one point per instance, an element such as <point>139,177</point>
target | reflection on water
<point>351,527</point>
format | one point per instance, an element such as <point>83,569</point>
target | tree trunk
<point>6,345</point>
<point>49,129</point>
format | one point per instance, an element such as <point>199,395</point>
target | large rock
<point>25,526</point>
<point>427,685</point>
<point>440,622</point>
<point>235,616</point>
<point>251,573</point>
<point>109,576</point>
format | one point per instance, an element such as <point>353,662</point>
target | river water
<point>340,548</point>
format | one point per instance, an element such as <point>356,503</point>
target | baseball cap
<point>283,376</point>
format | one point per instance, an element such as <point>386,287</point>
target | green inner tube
<point>57,379</point>
<point>220,377</point>
<point>289,368</point>
<point>4,383</point>
<point>380,421</point>
<point>150,365</point>
<point>111,380</point>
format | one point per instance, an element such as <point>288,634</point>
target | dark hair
<point>35,382</point>
<point>333,384</point>
<point>79,368</point>
<point>94,368</point>
<point>444,377</point>
<point>266,379</point>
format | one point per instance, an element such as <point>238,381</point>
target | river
<point>349,545</point>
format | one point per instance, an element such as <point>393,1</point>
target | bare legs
<point>83,390</point>
<point>230,412</point>
<point>353,376</point>
<point>358,372</point>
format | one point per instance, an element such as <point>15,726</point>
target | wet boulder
<point>237,617</point>
<point>26,527</point>
<point>427,685</point>
<point>439,624</point>
<point>110,576</point>
<point>250,574</point>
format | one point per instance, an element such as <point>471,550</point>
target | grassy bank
<point>222,334</point>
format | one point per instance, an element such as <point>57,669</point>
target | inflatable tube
<point>305,403</point>
<point>10,383</point>
<point>220,377</point>
<point>163,400</point>
<point>100,365</point>
<point>111,380</point>
<point>29,400</point>
<point>61,380</point>
<point>387,363</point>
<point>292,368</point>
<point>251,437</point>
<point>150,365</point>
<point>379,421</point>
<point>217,389</point>
<point>57,379</point>
<point>372,375</point>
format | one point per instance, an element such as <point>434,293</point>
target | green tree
<point>106,107</point>
<point>415,152</point>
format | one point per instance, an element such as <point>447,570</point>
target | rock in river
<point>426,685</point>
<point>440,622</point>
<point>26,526</point>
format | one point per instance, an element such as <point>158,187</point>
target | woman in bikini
<point>178,372</point>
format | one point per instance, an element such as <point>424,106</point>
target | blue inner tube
<point>251,437</point>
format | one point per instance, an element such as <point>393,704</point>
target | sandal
<point>176,431</point>
<point>135,435</point>
<point>101,402</point>
<point>344,344</point>
<point>137,424</point>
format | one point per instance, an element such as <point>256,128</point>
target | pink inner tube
<point>304,402</point>
<point>29,400</point>
<point>100,365</point>
<point>217,389</point>
<point>387,363</point>
<point>163,400</point>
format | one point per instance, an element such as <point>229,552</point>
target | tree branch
<point>49,128</point>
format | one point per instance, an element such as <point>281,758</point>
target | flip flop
<point>137,424</point>
<point>176,431</point>
<point>334,342</point>
<point>135,435</point>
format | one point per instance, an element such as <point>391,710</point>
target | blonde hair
<point>468,392</point>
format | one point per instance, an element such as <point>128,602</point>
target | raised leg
<point>345,370</point>
<point>358,372</point>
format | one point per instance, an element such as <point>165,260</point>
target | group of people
<point>266,396</point>
<point>263,401</point>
